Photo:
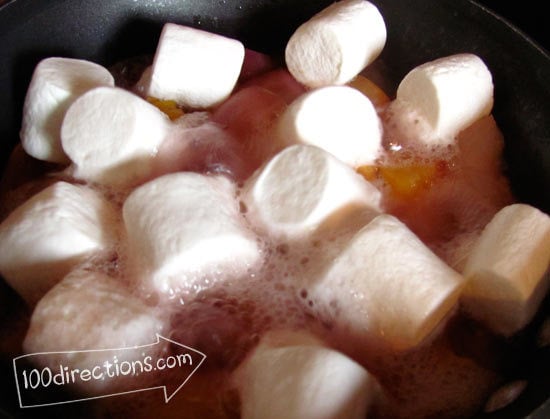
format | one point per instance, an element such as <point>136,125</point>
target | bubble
<point>243,209</point>
<point>283,249</point>
<point>225,316</point>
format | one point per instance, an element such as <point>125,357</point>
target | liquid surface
<point>445,196</point>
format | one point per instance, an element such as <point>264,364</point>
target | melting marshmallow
<point>507,271</point>
<point>387,286</point>
<point>112,136</point>
<point>336,44</point>
<point>89,311</point>
<point>55,84</point>
<point>303,187</point>
<point>338,119</point>
<point>293,375</point>
<point>183,225</point>
<point>47,236</point>
<point>195,68</point>
<point>449,93</point>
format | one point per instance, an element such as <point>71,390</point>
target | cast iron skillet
<point>107,31</point>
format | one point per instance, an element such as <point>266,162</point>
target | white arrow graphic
<point>37,386</point>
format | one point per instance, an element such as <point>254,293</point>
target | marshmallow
<point>449,93</point>
<point>293,375</point>
<point>195,68</point>
<point>88,311</point>
<point>507,270</point>
<point>43,239</point>
<point>387,286</point>
<point>183,225</point>
<point>112,136</point>
<point>336,44</point>
<point>55,84</point>
<point>338,119</point>
<point>303,187</point>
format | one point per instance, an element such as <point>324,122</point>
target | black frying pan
<point>107,31</point>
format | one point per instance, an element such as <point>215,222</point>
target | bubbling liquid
<point>448,376</point>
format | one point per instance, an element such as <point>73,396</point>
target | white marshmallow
<point>507,270</point>
<point>292,375</point>
<point>338,119</point>
<point>303,187</point>
<point>387,286</point>
<point>336,44</point>
<point>55,84</point>
<point>43,239</point>
<point>112,136</point>
<point>89,311</point>
<point>195,68</point>
<point>449,93</point>
<point>183,225</point>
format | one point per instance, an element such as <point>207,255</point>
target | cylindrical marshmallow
<point>294,376</point>
<point>90,311</point>
<point>336,44</point>
<point>507,271</point>
<point>112,136</point>
<point>43,239</point>
<point>303,187</point>
<point>386,286</point>
<point>55,84</point>
<point>185,225</point>
<point>195,68</point>
<point>450,93</point>
<point>338,119</point>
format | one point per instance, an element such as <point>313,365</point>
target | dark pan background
<point>526,15</point>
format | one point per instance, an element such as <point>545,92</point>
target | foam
<point>214,320</point>
<point>464,195</point>
<point>404,127</point>
<point>226,318</point>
